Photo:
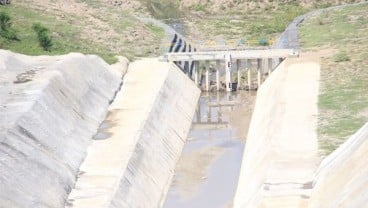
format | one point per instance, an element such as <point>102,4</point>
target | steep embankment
<point>281,152</point>
<point>145,130</point>
<point>50,108</point>
<point>342,178</point>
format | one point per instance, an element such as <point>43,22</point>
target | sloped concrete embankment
<point>50,107</point>
<point>280,156</point>
<point>147,126</point>
<point>342,178</point>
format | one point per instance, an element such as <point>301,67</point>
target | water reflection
<point>210,111</point>
<point>207,172</point>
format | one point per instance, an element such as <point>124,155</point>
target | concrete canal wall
<point>50,107</point>
<point>281,166</point>
<point>342,178</point>
<point>148,124</point>
<point>281,151</point>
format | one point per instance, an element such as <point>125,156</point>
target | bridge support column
<point>238,66</point>
<point>189,70</point>
<point>259,71</point>
<point>249,67</point>
<point>196,71</point>
<point>228,67</point>
<point>207,76</point>
<point>270,66</point>
<point>218,75</point>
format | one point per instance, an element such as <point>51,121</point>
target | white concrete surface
<point>49,109</point>
<point>150,119</point>
<point>280,155</point>
<point>342,178</point>
<point>235,54</point>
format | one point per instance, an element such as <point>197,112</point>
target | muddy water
<point>208,170</point>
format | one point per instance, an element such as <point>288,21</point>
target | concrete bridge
<point>227,61</point>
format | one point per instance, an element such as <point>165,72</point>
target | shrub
<point>43,36</point>
<point>341,57</point>
<point>263,42</point>
<point>6,31</point>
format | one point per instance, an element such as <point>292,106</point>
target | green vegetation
<point>67,37</point>
<point>43,36</point>
<point>105,31</point>
<point>263,42</point>
<point>107,28</point>
<point>163,9</point>
<point>6,30</point>
<point>251,26</point>
<point>343,95</point>
<point>341,57</point>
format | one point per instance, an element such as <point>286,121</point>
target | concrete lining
<point>50,107</point>
<point>149,119</point>
<point>342,177</point>
<point>281,152</point>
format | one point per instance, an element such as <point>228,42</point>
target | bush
<point>341,57</point>
<point>263,42</point>
<point>43,36</point>
<point>6,31</point>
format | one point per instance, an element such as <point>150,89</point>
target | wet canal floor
<point>208,170</point>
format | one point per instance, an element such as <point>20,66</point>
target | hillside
<point>234,22</point>
<point>340,38</point>
<point>94,27</point>
<point>110,28</point>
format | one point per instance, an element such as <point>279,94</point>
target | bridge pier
<point>270,67</point>
<point>259,73</point>
<point>238,66</point>
<point>249,65</point>
<point>207,75</point>
<point>218,65</point>
<point>228,67</point>
<point>196,68</point>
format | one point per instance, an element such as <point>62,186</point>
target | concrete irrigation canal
<point>77,132</point>
<point>104,146</point>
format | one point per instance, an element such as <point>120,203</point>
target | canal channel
<point>208,170</point>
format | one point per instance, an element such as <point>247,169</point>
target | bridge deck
<point>235,54</point>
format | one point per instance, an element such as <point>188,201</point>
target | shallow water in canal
<point>208,170</point>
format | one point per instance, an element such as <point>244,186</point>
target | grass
<point>343,100</point>
<point>65,37</point>
<point>163,9</point>
<point>74,32</point>
<point>341,57</point>
<point>250,27</point>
